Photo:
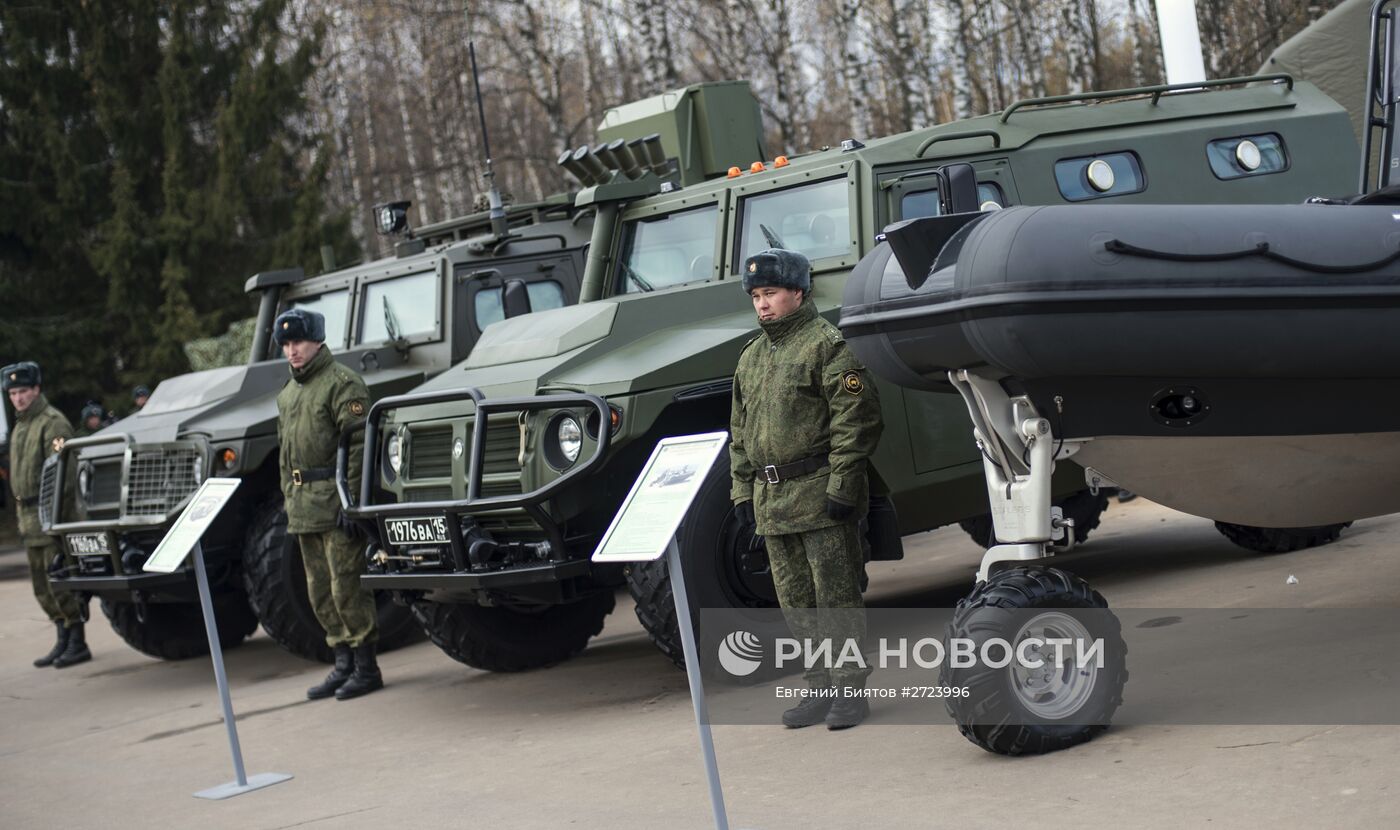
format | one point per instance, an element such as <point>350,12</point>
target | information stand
<point>645,529</point>
<point>183,538</point>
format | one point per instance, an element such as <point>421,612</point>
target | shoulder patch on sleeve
<point>57,444</point>
<point>851,382</point>
<point>357,408</point>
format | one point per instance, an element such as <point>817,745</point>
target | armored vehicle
<point>397,321</point>
<point>552,415</point>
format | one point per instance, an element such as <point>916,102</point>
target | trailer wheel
<point>507,638</point>
<point>1016,710</point>
<point>1084,507</point>
<point>1280,539</point>
<point>723,568</point>
<point>276,583</point>
<point>175,631</point>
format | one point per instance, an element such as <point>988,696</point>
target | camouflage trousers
<point>344,608</point>
<point>61,606</point>
<point>817,575</point>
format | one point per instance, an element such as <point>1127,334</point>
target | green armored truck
<point>489,486</point>
<point>398,321</point>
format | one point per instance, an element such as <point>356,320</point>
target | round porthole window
<point>1100,175</point>
<point>1248,156</point>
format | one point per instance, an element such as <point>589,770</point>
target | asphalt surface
<point>608,740</point>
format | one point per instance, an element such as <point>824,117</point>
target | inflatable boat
<point>1240,363</point>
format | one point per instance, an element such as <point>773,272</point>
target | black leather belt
<point>774,473</point>
<point>32,501</point>
<point>305,474</point>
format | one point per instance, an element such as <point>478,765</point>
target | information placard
<point>660,497</point>
<point>201,511</point>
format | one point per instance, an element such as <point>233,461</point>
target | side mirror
<point>957,189</point>
<point>516,299</point>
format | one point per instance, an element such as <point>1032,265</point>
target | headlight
<point>570,438</point>
<point>394,451</point>
<point>85,482</point>
<point>199,468</point>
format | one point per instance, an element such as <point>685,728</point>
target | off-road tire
<point>505,639</point>
<point>175,630</point>
<point>710,531</point>
<point>991,715</point>
<point>275,579</point>
<point>1084,507</point>
<point>1280,539</point>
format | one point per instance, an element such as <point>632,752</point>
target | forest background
<point>155,153</point>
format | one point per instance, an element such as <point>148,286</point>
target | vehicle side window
<point>1097,177</point>
<point>668,250</point>
<point>1249,155</point>
<point>814,219</point>
<point>401,307</point>
<point>925,202</point>
<point>490,306</point>
<point>335,307</point>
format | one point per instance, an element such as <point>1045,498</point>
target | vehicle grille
<point>428,494</point>
<point>501,472</point>
<point>48,481</point>
<point>430,456</point>
<point>430,453</point>
<point>160,479</point>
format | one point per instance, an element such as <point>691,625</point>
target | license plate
<point>431,530</point>
<point>88,544</point>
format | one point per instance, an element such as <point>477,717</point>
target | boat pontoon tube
<point>1236,362</point>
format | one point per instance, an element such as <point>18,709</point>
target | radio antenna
<point>498,211</point>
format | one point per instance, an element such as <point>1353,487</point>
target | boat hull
<point>1235,362</point>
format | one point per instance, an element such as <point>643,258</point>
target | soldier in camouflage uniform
<point>323,400</point>
<point>39,432</point>
<point>90,420</point>
<point>803,424</point>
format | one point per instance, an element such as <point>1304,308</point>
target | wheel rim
<point>1052,692</point>
<point>744,573</point>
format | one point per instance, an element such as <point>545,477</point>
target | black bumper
<point>511,578</point>
<point>178,583</point>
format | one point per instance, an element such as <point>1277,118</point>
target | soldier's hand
<point>744,510</point>
<point>348,526</point>
<point>839,511</point>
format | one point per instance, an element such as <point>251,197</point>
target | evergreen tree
<point>153,155</point>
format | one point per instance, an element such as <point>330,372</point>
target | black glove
<point>58,567</point>
<point>744,510</point>
<point>348,526</point>
<point>839,511</point>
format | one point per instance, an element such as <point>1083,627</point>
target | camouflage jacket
<point>322,400</point>
<point>39,432</point>
<point>799,392</point>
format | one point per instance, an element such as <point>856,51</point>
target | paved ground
<point>608,740</point>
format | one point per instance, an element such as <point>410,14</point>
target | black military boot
<point>59,645</point>
<point>76,649</point>
<point>811,711</point>
<point>340,673</point>
<point>366,677</point>
<point>848,711</point>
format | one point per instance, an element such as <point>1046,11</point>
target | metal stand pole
<point>697,686</point>
<point>241,784</point>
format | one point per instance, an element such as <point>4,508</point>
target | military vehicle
<point>397,321</point>
<point>490,485</point>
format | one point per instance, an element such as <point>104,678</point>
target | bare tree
<point>656,54</point>
<point>396,95</point>
<point>853,66</point>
